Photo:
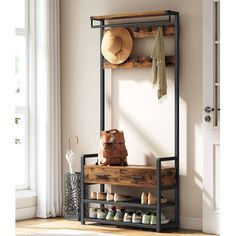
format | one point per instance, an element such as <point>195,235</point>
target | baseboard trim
<point>25,213</point>
<point>190,223</point>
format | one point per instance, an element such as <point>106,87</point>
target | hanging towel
<point>158,64</point>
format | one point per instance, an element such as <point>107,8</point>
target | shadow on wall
<point>150,157</point>
<point>189,150</point>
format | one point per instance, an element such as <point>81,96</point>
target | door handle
<point>137,177</point>
<point>102,176</point>
<point>209,109</point>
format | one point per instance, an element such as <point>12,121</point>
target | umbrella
<point>70,155</point>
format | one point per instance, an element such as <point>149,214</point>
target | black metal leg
<point>177,193</point>
<point>102,189</point>
<point>158,181</point>
<point>82,191</point>
<point>177,116</point>
<point>102,84</point>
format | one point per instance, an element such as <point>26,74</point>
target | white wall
<point>148,124</point>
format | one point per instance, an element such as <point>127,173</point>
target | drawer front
<point>147,178</point>
<point>100,175</point>
<point>128,176</point>
<point>137,177</point>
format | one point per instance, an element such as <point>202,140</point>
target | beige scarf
<point>158,64</point>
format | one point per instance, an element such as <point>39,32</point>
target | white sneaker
<point>164,220</point>
<point>137,217</point>
<point>128,217</point>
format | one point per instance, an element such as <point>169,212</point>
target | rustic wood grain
<point>139,62</point>
<point>93,174</point>
<point>146,32</point>
<point>130,15</point>
<point>131,176</point>
<point>140,176</point>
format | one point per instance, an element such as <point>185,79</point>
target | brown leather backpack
<point>112,150</point>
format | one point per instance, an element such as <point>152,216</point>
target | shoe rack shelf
<point>171,225</point>
<point>141,25</point>
<point>133,204</point>
<point>160,183</point>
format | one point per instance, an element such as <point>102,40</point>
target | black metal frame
<point>158,227</point>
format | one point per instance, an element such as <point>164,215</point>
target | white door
<point>211,116</point>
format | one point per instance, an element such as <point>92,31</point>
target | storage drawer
<point>142,176</point>
<point>98,174</point>
<point>137,177</point>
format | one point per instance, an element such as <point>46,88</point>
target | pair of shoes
<point>121,198</point>
<point>111,213</point>
<point>98,196</point>
<point>97,213</point>
<point>150,199</point>
<point>134,217</point>
<point>103,213</point>
<point>101,196</point>
<point>151,218</point>
<point>115,214</point>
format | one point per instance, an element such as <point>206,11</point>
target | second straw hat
<point>116,45</point>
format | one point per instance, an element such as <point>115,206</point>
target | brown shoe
<point>93,196</point>
<point>121,198</point>
<point>153,200</point>
<point>144,198</point>
<point>110,197</point>
<point>101,196</point>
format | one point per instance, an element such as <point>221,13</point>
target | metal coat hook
<point>69,139</point>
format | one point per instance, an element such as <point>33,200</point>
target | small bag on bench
<point>112,150</point>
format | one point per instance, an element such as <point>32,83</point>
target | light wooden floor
<point>29,227</point>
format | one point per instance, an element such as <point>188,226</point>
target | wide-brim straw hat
<point>116,45</point>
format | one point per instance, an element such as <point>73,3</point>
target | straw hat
<point>117,45</point>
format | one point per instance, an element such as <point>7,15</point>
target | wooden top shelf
<point>126,167</point>
<point>131,15</point>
